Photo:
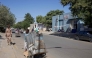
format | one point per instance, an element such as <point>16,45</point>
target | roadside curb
<point>47,32</point>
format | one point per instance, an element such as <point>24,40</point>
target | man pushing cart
<point>34,45</point>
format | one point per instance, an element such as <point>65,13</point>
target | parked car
<point>83,35</point>
<point>17,33</point>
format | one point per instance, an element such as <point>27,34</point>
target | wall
<point>53,22</point>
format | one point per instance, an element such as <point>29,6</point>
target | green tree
<point>39,19</point>
<point>44,20</point>
<point>6,16</point>
<point>14,26</point>
<point>81,9</point>
<point>19,25</point>
<point>29,18</point>
<point>25,23</point>
<point>49,15</point>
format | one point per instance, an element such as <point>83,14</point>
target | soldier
<point>8,34</point>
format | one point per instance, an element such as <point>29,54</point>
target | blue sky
<point>35,7</point>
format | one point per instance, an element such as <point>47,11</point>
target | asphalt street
<point>61,47</point>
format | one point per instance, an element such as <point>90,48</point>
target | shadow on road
<point>54,47</point>
<point>69,48</point>
<point>13,43</point>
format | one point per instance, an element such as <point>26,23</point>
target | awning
<point>70,20</point>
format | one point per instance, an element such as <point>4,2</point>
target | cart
<point>36,46</point>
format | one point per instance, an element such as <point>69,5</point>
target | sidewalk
<point>47,32</point>
<point>8,51</point>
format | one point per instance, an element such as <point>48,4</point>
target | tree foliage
<point>25,24</point>
<point>6,16</point>
<point>49,16</point>
<point>18,25</point>
<point>28,19</point>
<point>39,19</point>
<point>81,9</point>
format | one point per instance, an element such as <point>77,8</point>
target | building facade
<point>39,26</point>
<point>66,22</point>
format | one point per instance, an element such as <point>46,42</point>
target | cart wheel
<point>44,55</point>
<point>31,56</point>
<point>28,56</point>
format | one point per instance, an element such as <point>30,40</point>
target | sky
<point>35,7</point>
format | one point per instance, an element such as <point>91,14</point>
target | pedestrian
<point>8,34</point>
<point>26,39</point>
<point>32,29</point>
<point>24,31</point>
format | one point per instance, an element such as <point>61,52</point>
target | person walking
<point>8,34</point>
<point>26,39</point>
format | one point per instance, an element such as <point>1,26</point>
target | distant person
<point>8,34</point>
<point>32,29</point>
<point>24,31</point>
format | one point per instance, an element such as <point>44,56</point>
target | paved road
<point>60,47</point>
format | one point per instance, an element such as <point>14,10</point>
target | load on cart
<point>34,45</point>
